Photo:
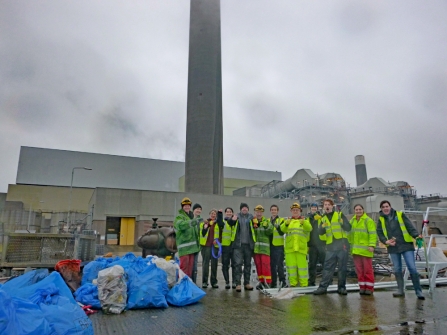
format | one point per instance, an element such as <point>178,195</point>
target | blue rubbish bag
<point>62,313</point>
<point>148,289</point>
<point>90,271</point>
<point>184,293</point>
<point>20,316</point>
<point>25,280</point>
<point>87,294</point>
<point>54,278</point>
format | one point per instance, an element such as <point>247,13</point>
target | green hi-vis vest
<point>333,228</point>
<point>297,234</point>
<point>262,236</point>
<point>204,238</point>
<point>362,235</point>
<point>277,240</point>
<point>407,237</point>
<point>227,235</point>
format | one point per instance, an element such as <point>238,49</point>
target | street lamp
<point>71,188</point>
<point>29,214</point>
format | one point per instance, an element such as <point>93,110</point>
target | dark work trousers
<point>317,255</point>
<point>333,258</point>
<point>277,263</point>
<point>206,258</point>
<point>242,256</point>
<point>194,269</point>
<point>226,259</point>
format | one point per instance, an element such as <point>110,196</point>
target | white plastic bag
<point>112,289</point>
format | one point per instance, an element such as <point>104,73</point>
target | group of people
<point>326,238</point>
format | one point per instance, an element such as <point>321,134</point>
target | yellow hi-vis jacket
<point>277,240</point>
<point>333,228</point>
<point>407,237</point>
<point>234,232</point>
<point>227,234</point>
<point>297,234</point>
<point>362,235</point>
<point>204,238</point>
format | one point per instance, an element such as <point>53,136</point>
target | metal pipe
<point>353,287</point>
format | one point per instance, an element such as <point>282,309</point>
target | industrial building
<point>118,196</point>
<point>66,189</point>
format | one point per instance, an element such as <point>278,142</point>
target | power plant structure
<point>204,132</point>
<point>306,187</point>
<point>360,170</point>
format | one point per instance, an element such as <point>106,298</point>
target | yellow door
<point>127,231</point>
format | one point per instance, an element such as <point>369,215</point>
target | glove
<point>255,223</point>
<point>317,217</point>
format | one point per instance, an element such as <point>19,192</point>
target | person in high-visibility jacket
<point>187,236</point>
<point>363,239</point>
<point>317,246</point>
<point>209,233</point>
<point>227,238</point>
<point>197,211</point>
<point>263,230</point>
<point>396,231</point>
<point>297,230</point>
<point>242,245</point>
<point>334,228</point>
<point>277,249</point>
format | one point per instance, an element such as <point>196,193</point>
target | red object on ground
<point>87,309</point>
<point>262,263</point>
<point>70,270</point>
<point>365,272</point>
<point>72,264</point>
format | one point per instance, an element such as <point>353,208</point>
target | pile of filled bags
<point>130,282</point>
<point>42,303</point>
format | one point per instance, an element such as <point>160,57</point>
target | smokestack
<point>204,129</point>
<point>360,170</point>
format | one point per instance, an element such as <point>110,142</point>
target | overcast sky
<point>306,84</point>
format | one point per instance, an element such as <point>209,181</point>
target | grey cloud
<point>344,78</point>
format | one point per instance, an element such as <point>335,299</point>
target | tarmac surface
<point>224,311</point>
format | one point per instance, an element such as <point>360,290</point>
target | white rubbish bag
<point>112,289</point>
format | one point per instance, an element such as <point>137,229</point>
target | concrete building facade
<point>124,215</point>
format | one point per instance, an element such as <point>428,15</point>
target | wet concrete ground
<point>250,312</point>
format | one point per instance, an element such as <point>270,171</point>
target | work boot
<point>248,287</point>
<point>400,285</point>
<point>260,286</point>
<point>227,286</point>
<point>417,285</point>
<point>215,286</point>
<point>238,288</point>
<point>362,292</point>
<point>368,292</point>
<point>233,286</point>
<point>320,291</point>
<point>342,291</point>
<point>205,285</point>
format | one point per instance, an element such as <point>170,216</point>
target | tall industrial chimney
<point>360,170</point>
<point>204,144</point>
